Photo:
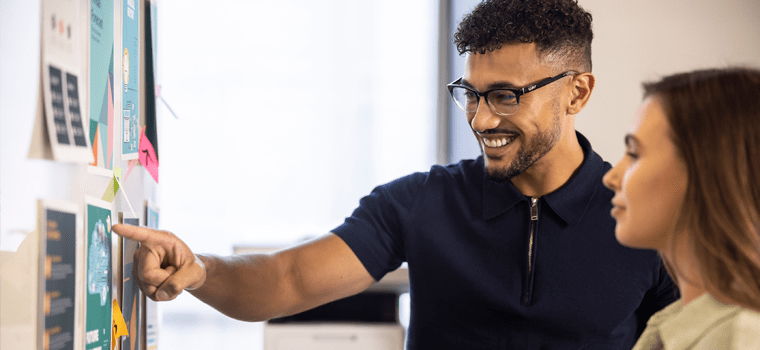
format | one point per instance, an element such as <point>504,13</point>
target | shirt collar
<point>682,325</point>
<point>569,202</point>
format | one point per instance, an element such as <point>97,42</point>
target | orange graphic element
<point>95,146</point>
<point>119,327</point>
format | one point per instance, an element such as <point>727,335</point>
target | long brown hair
<point>714,117</point>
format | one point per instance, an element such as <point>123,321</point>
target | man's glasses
<point>501,101</point>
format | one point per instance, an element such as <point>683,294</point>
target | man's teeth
<point>497,142</point>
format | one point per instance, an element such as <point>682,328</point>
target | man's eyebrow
<point>495,85</point>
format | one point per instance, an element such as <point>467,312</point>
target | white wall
<point>643,40</point>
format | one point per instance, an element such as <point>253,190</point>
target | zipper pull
<point>533,209</point>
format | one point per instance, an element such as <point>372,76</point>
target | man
<point>513,250</point>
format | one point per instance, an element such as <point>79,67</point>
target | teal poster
<point>130,108</point>
<point>101,83</point>
<point>98,278</point>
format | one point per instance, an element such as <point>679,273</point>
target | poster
<point>98,274</point>
<point>151,215</point>
<point>62,88</point>
<point>151,122</point>
<point>61,241</point>
<point>131,306</point>
<point>101,130</point>
<point>150,325</point>
<point>130,79</point>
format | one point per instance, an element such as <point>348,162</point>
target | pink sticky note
<point>148,156</point>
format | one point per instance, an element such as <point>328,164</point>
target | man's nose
<point>484,118</point>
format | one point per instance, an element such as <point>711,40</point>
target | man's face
<point>512,144</point>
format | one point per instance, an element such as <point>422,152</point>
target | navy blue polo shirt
<point>491,269</point>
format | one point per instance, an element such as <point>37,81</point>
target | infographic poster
<point>151,307</point>
<point>62,88</point>
<point>151,324</point>
<point>151,122</point>
<point>151,215</point>
<point>130,75</point>
<point>131,306</point>
<point>98,274</point>
<point>101,84</point>
<point>60,242</point>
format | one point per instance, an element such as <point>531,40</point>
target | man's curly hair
<point>560,28</point>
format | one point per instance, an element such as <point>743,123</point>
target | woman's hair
<point>714,117</point>
<point>559,28</point>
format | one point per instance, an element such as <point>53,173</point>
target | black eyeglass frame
<point>518,92</point>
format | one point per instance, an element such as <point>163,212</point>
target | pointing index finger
<point>136,233</point>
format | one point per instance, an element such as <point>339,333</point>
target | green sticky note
<point>113,188</point>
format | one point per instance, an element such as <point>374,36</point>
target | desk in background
<point>366,321</point>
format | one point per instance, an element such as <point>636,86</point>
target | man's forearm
<point>251,287</point>
<point>259,287</point>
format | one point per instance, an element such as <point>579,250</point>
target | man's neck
<point>551,171</point>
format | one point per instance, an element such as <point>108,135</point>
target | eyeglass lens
<point>501,101</point>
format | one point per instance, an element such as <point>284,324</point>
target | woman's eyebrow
<point>631,141</point>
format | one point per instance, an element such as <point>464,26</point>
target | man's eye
<point>503,97</point>
<point>470,96</point>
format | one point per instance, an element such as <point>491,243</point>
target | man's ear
<point>583,85</point>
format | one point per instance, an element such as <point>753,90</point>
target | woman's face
<point>649,182</point>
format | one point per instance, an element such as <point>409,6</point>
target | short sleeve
<point>375,231</point>
<point>663,293</point>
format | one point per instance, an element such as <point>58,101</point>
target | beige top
<point>703,324</point>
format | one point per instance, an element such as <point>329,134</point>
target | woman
<point>689,187</point>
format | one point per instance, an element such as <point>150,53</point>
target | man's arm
<point>252,287</point>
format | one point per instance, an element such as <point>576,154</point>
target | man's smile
<point>496,142</point>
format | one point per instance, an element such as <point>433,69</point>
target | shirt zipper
<point>528,287</point>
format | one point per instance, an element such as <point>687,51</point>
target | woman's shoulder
<point>740,331</point>
<point>746,330</point>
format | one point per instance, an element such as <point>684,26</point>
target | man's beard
<point>529,153</point>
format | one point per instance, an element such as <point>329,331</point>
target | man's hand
<point>163,265</point>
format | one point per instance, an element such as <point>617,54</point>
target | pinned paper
<point>113,186</point>
<point>117,174</point>
<point>147,156</point>
<point>110,193</point>
<point>126,198</point>
<point>119,326</point>
<point>131,164</point>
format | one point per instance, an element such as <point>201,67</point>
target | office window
<point>288,113</point>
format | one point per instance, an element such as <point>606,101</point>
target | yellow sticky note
<point>113,186</point>
<point>119,326</point>
<point>117,174</point>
